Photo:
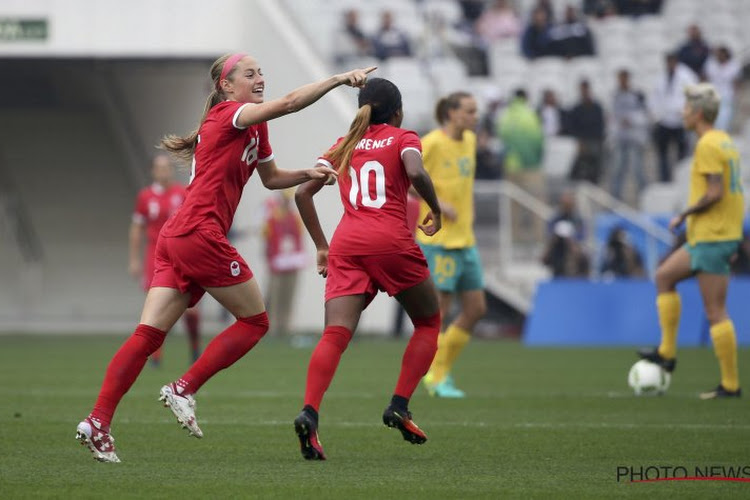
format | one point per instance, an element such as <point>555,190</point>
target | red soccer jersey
<point>154,205</point>
<point>224,160</point>
<point>374,194</point>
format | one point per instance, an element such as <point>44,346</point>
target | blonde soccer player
<point>714,230</point>
<point>449,154</point>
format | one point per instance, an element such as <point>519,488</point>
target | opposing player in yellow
<point>714,230</point>
<point>449,155</point>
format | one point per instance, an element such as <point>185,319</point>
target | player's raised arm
<point>299,98</point>
<point>277,178</point>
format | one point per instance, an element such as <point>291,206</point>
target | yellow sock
<point>668,306</point>
<point>437,369</point>
<point>725,347</point>
<point>455,340</point>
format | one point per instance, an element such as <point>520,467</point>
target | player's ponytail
<point>340,155</point>
<point>379,100</point>
<point>184,147</point>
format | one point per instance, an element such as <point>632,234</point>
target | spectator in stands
<point>498,22</point>
<point>390,41</point>
<point>638,7</point>
<point>551,114</point>
<point>536,40</point>
<point>630,129</point>
<point>285,255</point>
<point>520,130</point>
<point>585,122</point>
<point>546,6</point>
<point>566,211</point>
<point>350,41</point>
<point>564,255</point>
<point>572,37</point>
<point>621,258</point>
<point>472,10</point>
<point>724,73</point>
<point>489,146</point>
<point>694,52</point>
<point>666,104</point>
<point>599,8</point>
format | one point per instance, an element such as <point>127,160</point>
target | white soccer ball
<point>647,378</point>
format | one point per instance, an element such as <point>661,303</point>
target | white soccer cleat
<point>183,408</point>
<point>101,443</point>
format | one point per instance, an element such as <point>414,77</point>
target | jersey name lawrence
<point>225,157</point>
<point>373,191</point>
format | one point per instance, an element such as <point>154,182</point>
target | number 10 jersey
<point>373,191</point>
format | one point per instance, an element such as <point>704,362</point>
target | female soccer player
<point>450,159</point>
<point>153,206</point>
<point>193,255</point>
<point>714,231</point>
<point>372,249</point>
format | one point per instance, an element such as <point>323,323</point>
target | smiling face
<point>245,83</point>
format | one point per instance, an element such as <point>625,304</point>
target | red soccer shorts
<point>203,258</point>
<point>366,274</point>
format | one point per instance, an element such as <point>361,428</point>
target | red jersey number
<point>361,188</point>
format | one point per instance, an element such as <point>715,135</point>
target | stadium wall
<point>581,313</point>
<point>162,97</point>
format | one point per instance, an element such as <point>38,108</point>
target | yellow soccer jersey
<point>451,165</point>
<point>715,154</point>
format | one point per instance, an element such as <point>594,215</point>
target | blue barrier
<point>623,312</point>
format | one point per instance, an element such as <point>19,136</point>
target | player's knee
<point>716,314</point>
<point>153,336</point>
<point>259,322</point>
<point>337,335</point>
<point>429,324</point>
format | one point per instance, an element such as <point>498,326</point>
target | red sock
<point>418,355</point>
<point>124,368</point>
<point>225,349</point>
<point>192,322</point>
<point>323,362</point>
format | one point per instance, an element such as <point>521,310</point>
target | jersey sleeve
<point>227,113</point>
<point>409,141</point>
<point>709,159</point>
<point>140,212</point>
<point>265,153</point>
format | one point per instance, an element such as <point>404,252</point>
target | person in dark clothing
<point>536,41</point>
<point>585,122</point>
<point>621,258</point>
<point>572,37</point>
<point>694,51</point>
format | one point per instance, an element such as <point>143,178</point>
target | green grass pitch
<point>538,423</point>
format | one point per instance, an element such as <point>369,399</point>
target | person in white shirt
<point>666,105</point>
<point>724,73</point>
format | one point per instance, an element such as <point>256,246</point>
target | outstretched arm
<point>274,177</point>
<point>300,98</point>
<point>423,185</point>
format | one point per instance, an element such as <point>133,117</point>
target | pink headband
<point>228,65</point>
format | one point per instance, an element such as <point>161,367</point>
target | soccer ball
<point>647,378</point>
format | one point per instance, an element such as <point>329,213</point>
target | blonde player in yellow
<point>714,230</point>
<point>449,155</point>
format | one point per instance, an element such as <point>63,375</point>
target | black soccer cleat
<point>721,393</point>
<point>401,420</point>
<point>307,431</point>
<point>652,354</point>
